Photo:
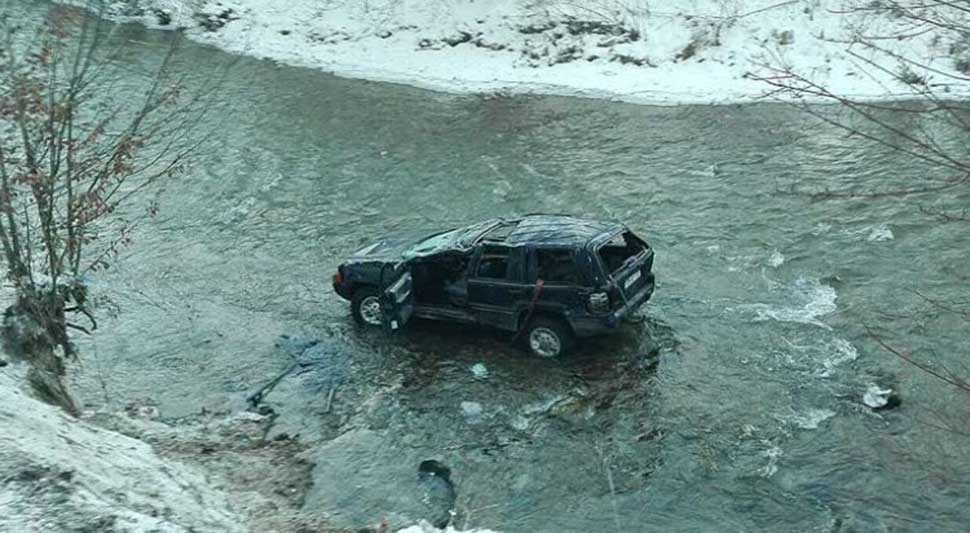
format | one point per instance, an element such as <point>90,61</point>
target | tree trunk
<point>34,330</point>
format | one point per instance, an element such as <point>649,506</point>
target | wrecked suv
<point>548,279</point>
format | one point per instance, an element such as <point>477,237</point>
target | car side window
<point>494,263</point>
<point>557,267</point>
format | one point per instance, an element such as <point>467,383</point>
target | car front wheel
<point>365,305</point>
<point>548,337</point>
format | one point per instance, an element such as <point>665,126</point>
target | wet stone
<point>435,479</point>
<point>363,473</point>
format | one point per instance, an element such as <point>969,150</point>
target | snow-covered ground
<point>129,472</point>
<point>60,474</point>
<point>643,51</point>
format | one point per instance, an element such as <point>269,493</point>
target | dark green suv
<point>548,278</point>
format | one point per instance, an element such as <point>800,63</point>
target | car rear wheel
<point>365,306</point>
<point>548,337</point>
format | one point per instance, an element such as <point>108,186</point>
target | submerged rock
<point>363,474</point>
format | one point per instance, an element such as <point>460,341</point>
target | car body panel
<point>397,298</point>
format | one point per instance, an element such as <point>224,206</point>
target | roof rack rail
<point>549,214</point>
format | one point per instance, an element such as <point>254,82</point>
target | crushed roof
<point>559,230</point>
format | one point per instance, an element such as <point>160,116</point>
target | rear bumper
<point>588,326</point>
<point>636,302</point>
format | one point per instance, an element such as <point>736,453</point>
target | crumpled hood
<point>418,244</point>
<point>389,248</point>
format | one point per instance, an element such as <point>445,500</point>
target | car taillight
<point>599,302</point>
<point>338,278</point>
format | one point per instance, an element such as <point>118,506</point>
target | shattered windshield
<point>456,240</point>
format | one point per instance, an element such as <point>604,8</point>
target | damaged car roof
<point>559,230</point>
<point>551,230</point>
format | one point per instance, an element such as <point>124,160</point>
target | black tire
<point>360,296</point>
<point>548,337</point>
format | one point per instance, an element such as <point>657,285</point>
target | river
<point>750,421</point>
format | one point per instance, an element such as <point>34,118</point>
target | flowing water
<point>750,421</point>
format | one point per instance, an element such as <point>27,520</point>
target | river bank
<point>130,471</point>
<point>750,412</point>
<point>681,52</point>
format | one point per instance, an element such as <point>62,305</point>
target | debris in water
<point>479,371</point>
<point>322,365</point>
<point>877,398</point>
<point>439,492</point>
<point>472,411</point>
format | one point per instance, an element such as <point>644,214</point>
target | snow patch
<point>680,51</point>
<point>65,474</point>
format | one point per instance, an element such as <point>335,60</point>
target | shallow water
<point>752,419</point>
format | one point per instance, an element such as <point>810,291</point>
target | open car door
<point>397,300</point>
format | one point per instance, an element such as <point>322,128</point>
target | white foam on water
<point>424,527</point>
<point>811,298</point>
<point>772,453</point>
<point>843,352</point>
<point>821,228</point>
<point>811,418</point>
<point>880,233</point>
<point>776,259</point>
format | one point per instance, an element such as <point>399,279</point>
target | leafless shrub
<point>934,121</point>
<point>80,136</point>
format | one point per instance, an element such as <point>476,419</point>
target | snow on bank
<point>676,51</point>
<point>133,473</point>
<point>60,474</point>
